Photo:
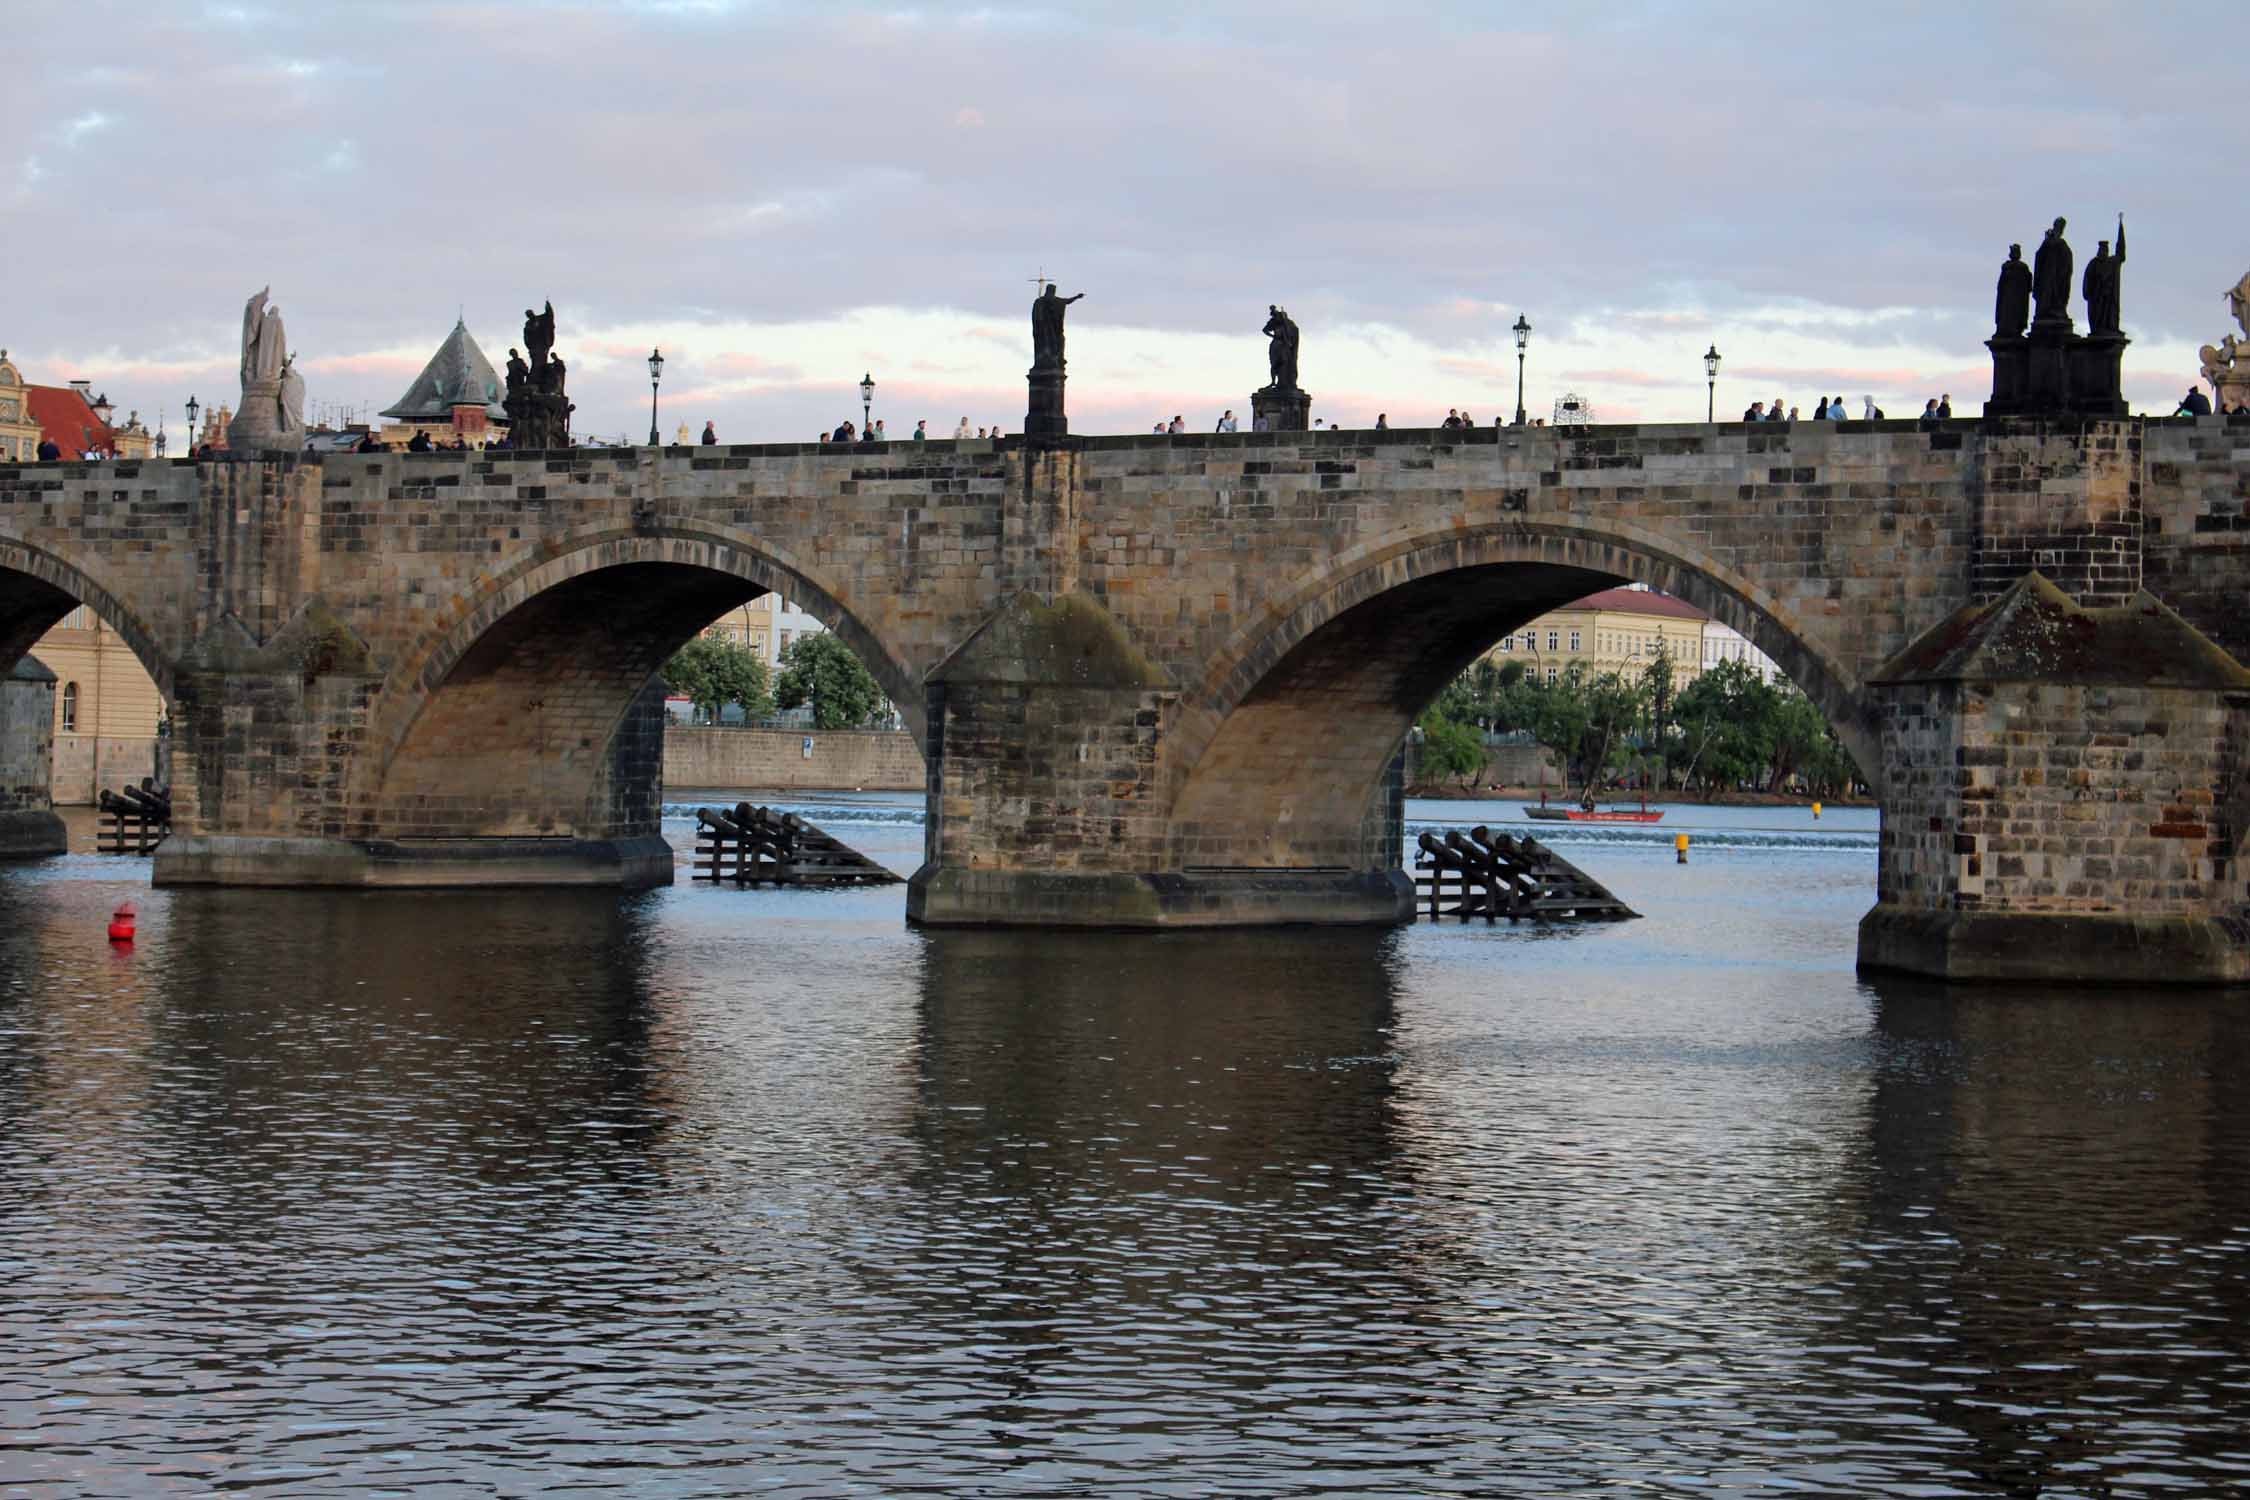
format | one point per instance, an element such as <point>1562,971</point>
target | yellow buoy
<point>1679,846</point>
<point>1816,809</point>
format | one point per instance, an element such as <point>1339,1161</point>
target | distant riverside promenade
<point>1163,681</point>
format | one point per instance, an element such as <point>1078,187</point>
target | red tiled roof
<point>1639,602</point>
<point>66,420</point>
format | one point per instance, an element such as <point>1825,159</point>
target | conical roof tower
<point>457,375</point>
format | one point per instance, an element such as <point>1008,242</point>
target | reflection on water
<point>706,1192</point>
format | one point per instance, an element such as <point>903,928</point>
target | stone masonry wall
<point>842,759</point>
<point>2197,545</point>
<point>2028,797</point>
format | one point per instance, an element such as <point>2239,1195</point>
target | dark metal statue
<point>2104,273</point>
<point>1047,328</point>
<point>539,334</point>
<point>519,374</point>
<point>2050,277</point>
<point>1281,354</point>
<point>2012,306</point>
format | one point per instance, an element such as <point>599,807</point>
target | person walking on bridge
<point>710,434</point>
<point>1226,421</point>
<point>1756,413</point>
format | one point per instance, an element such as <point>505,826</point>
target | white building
<point>767,624</point>
<point>1724,643</point>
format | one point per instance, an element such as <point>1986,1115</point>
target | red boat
<point>1587,812</point>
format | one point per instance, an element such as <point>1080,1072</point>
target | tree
<point>1449,747</point>
<point>714,672</point>
<point>821,670</point>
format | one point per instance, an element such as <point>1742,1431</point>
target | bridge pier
<point>29,825</point>
<point>2063,798</point>
<point>1049,807</point>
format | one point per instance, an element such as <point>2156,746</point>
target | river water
<point>704,1192</point>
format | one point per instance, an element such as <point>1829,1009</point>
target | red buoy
<point>121,924</point>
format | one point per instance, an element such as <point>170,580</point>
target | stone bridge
<point>1161,681</point>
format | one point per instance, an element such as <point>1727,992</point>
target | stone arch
<point>1277,751</point>
<point>505,722</point>
<point>37,589</point>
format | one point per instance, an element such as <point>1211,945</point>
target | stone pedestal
<point>1045,420</point>
<point>2053,371</point>
<point>2011,374</point>
<point>2231,390</point>
<point>258,429</point>
<point>2059,798</point>
<point>538,420</point>
<point>1274,409</point>
<point>2097,387</point>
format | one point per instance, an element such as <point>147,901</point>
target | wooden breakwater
<point>748,845</point>
<point>1494,875</point>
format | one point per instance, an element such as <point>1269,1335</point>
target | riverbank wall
<point>813,760</point>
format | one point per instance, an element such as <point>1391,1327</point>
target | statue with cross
<point>1047,326</point>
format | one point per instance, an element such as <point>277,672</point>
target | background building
<point>19,431</point>
<point>456,398</point>
<point>767,624</point>
<point>1625,630</point>
<point>70,416</point>
<point>107,708</point>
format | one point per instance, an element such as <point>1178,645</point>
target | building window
<point>1552,674</point>
<point>70,707</point>
<point>1554,640</point>
<point>1574,640</point>
<point>1507,643</point>
<point>1531,640</point>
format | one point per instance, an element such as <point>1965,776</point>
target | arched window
<point>70,707</point>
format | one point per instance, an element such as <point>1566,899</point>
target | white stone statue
<point>264,345</point>
<point>2238,302</point>
<point>292,396</point>
<point>272,415</point>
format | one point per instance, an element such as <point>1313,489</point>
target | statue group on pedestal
<point>538,407</point>
<point>2226,364</point>
<point>2041,365</point>
<point>271,414</point>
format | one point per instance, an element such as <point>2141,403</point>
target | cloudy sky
<point>785,196</point>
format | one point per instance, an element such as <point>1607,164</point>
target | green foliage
<point>1725,729</point>
<point>714,672</point>
<point>1449,747</point>
<point>821,670</point>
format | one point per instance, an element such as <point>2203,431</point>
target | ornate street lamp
<point>655,373</point>
<point>866,404</point>
<point>1711,374</point>
<point>1523,337</point>
<point>192,408</point>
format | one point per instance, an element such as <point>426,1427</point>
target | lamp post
<point>191,411</point>
<point>1711,374</point>
<point>1523,337</point>
<point>866,407</point>
<point>655,373</point>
